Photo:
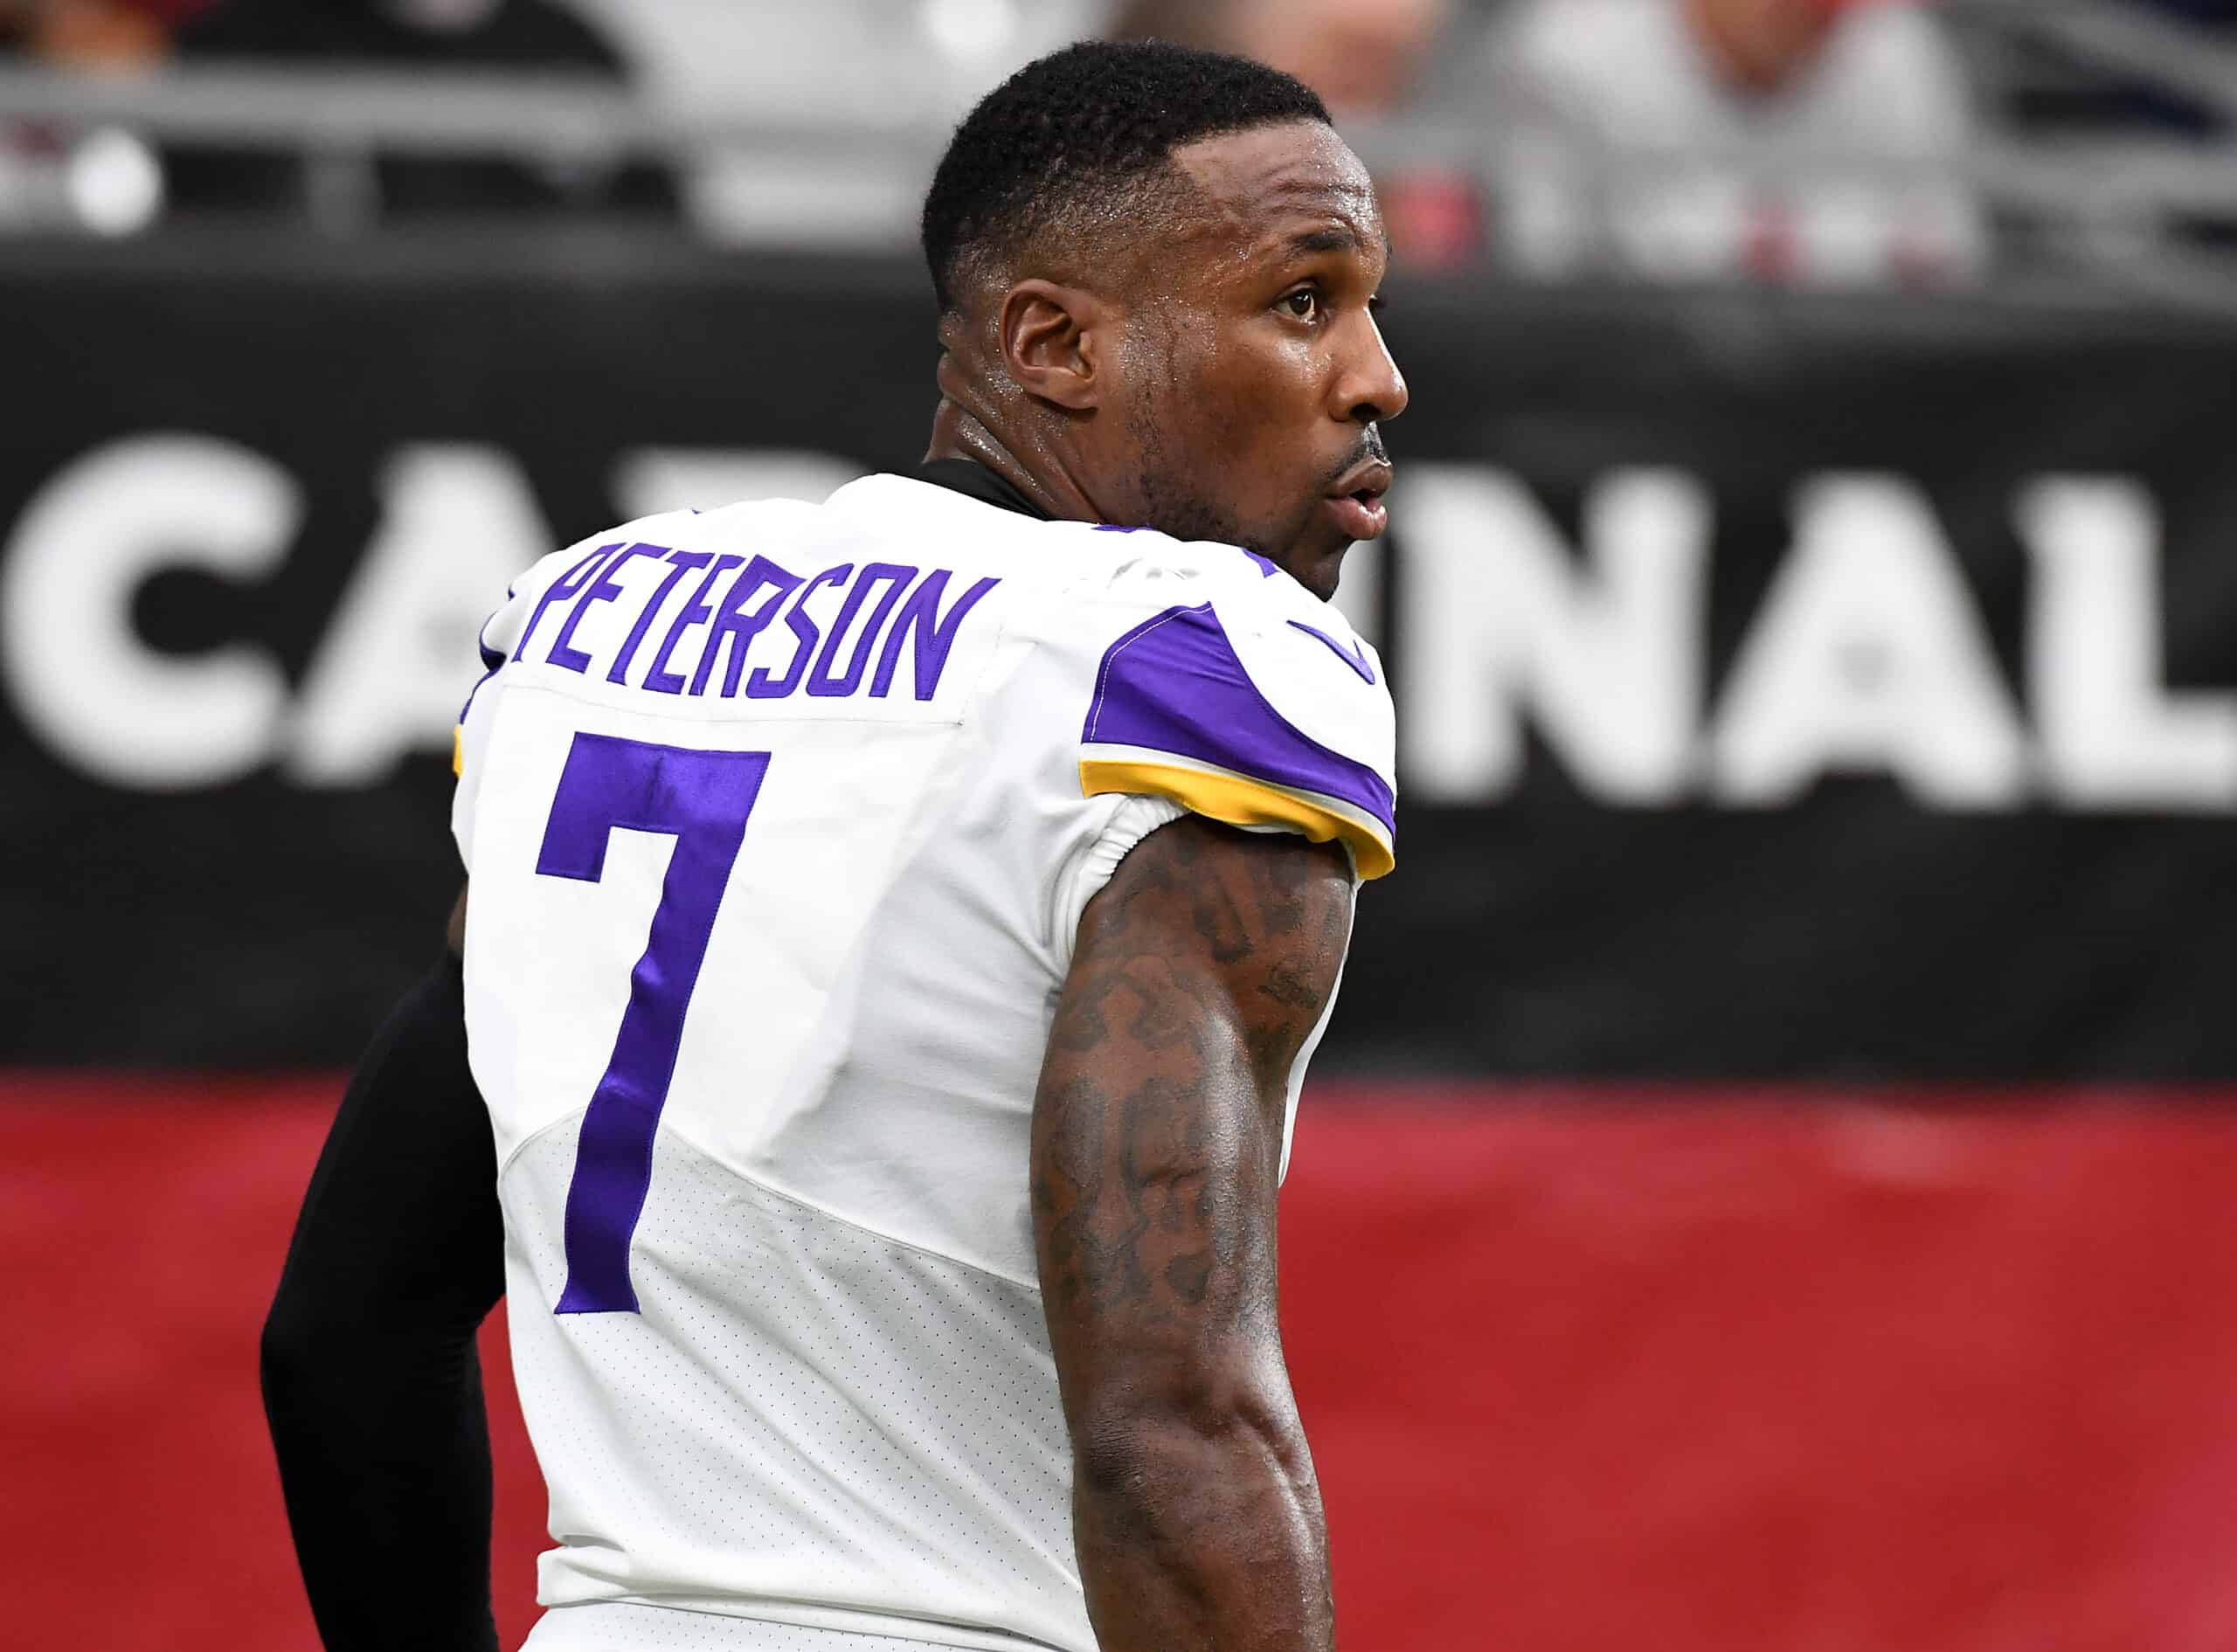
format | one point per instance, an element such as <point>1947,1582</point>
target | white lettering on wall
<point>457,525</point>
<point>2112,735</point>
<point>80,677</point>
<point>1868,657</point>
<point>1499,616</point>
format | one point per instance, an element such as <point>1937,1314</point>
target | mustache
<point>1370,447</point>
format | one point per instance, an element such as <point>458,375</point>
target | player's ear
<point>1051,339</point>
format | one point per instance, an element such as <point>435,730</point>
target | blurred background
<point>1770,1181</point>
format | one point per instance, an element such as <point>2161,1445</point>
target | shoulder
<point>757,523</point>
<point>1222,684</point>
<point>1891,37</point>
<point>1562,44</point>
<point>662,528</point>
<point>565,571</point>
<point>1186,603</point>
<point>1896,67</point>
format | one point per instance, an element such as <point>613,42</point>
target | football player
<point>899,927</point>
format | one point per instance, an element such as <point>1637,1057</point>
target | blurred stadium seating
<point>1766,1183</point>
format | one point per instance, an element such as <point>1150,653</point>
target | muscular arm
<point>1157,1136</point>
<point>371,1385</point>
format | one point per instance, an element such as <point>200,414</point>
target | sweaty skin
<point>1200,970</point>
<point>1217,374</point>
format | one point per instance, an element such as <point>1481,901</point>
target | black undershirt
<point>371,1385</point>
<point>975,481</point>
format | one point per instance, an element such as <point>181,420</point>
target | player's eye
<point>1304,304</point>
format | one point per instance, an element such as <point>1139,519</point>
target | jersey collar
<point>974,480</point>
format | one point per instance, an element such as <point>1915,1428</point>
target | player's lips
<point>1356,500</point>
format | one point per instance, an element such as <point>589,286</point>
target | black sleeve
<point>371,1384</point>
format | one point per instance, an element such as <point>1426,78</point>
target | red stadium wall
<point>1585,1371</point>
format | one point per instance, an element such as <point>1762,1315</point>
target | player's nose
<point>1369,387</point>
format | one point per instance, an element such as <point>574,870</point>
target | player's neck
<point>959,433</point>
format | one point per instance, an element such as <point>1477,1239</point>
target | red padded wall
<point>1584,1370</point>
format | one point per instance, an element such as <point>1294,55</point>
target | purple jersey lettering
<point>702,799</point>
<point>896,576</point>
<point>931,635</point>
<point>761,685</point>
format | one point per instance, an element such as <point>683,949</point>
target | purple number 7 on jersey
<point>701,798</point>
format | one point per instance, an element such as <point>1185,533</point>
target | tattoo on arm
<point>1200,971</point>
<point>1165,1034</point>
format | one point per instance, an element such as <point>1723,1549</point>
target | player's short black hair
<point>1079,124</point>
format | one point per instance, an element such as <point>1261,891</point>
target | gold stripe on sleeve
<point>1241,801</point>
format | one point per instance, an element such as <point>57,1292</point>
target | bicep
<point>1200,970</point>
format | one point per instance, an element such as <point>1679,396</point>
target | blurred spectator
<point>1362,58</point>
<point>1367,61</point>
<point>393,35</point>
<point>817,79</point>
<point>1785,139</point>
<point>85,34</point>
<point>52,175</point>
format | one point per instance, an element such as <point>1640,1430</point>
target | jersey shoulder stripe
<point>1176,715</point>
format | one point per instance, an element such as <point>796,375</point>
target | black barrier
<point>1787,686</point>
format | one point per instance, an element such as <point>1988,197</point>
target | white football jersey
<point>780,820</point>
